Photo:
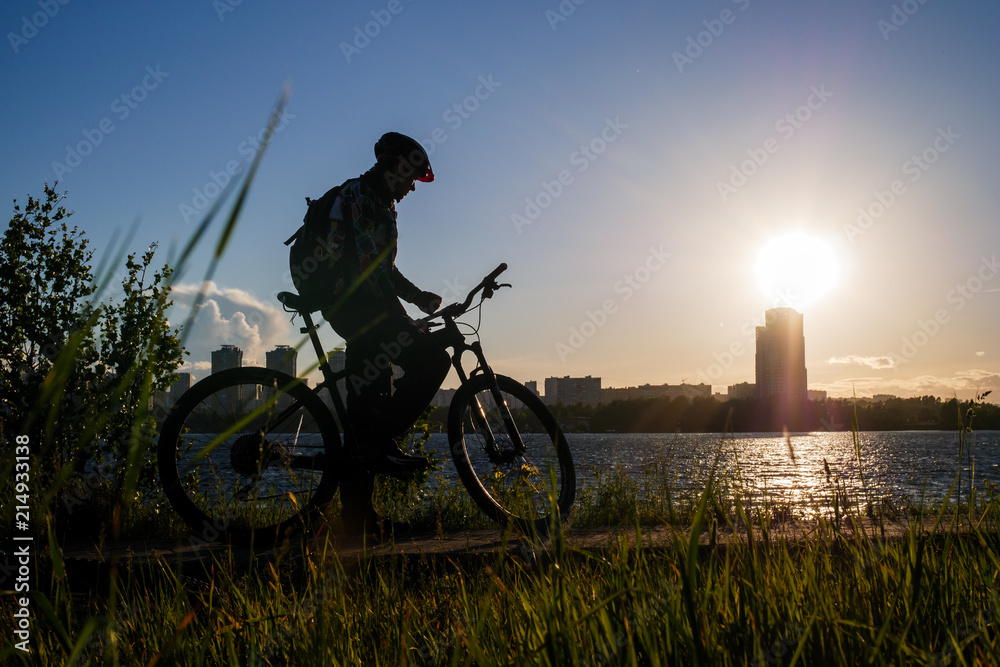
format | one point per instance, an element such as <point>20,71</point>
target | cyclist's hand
<point>427,302</point>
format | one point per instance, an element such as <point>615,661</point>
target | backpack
<point>314,275</point>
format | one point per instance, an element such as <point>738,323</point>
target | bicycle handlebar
<point>496,272</point>
<point>488,285</point>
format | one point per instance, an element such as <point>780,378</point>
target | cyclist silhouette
<point>379,334</point>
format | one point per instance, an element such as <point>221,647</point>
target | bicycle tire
<point>511,488</point>
<point>223,488</point>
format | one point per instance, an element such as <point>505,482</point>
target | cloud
<point>191,366</point>
<point>877,363</point>
<point>963,384</point>
<point>228,316</point>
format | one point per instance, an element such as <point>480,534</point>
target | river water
<point>896,465</point>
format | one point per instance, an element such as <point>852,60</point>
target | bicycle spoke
<point>519,481</point>
<point>248,480</point>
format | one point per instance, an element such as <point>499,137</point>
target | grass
<point>844,596</point>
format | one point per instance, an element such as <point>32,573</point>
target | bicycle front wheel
<point>508,483</point>
<point>245,455</point>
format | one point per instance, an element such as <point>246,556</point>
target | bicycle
<point>254,454</point>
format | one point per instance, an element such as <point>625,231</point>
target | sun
<point>795,270</point>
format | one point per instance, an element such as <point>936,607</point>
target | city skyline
<point>587,390</point>
<point>635,164</point>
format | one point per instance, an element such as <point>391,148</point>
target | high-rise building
<point>443,397</point>
<point>231,398</point>
<point>741,391</point>
<point>228,356</point>
<point>781,363</point>
<point>338,362</point>
<point>283,358</point>
<point>572,391</point>
<point>179,386</point>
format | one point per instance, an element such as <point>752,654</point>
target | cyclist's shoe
<point>387,458</point>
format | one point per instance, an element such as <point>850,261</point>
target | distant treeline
<point>666,415</point>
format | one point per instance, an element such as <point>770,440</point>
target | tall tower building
<point>183,382</point>
<point>338,360</point>
<point>228,356</point>
<point>230,399</point>
<point>781,364</point>
<point>283,358</point>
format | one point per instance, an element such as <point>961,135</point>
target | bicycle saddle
<point>298,303</point>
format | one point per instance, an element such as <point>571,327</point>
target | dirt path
<point>474,543</point>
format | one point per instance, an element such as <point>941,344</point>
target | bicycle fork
<point>479,412</point>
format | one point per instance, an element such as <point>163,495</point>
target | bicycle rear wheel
<point>508,486</point>
<point>246,455</point>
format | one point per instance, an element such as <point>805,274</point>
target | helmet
<point>393,145</point>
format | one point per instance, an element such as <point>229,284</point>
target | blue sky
<point>663,144</point>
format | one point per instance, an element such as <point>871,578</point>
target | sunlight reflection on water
<point>910,464</point>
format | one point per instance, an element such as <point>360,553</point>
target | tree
<point>137,359</point>
<point>78,375</point>
<point>45,279</point>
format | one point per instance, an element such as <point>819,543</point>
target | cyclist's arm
<point>406,290</point>
<point>375,262</point>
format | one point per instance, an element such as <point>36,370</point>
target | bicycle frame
<point>450,337</point>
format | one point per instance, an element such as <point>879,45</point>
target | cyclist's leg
<point>424,363</point>
<point>377,410</point>
<point>368,386</point>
